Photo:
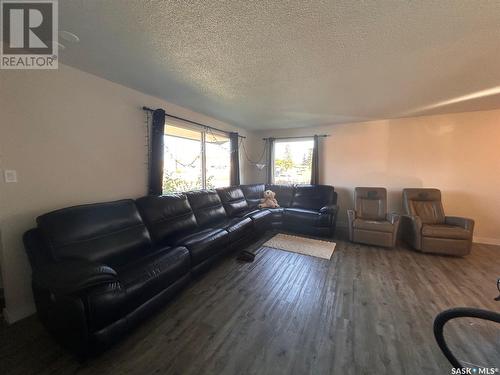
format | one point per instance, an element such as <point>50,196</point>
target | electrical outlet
<point>10,176</point>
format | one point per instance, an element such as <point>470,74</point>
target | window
<point>218,160</point>
<point>194,159</point>
<point>293,161</point>
<point>182,164</point>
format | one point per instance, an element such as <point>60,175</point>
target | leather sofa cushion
<point>148,276</point>
<point>277,214</point>
<point>370,209</point>
<point>258,216</point>
<point>371,203</point>
<point>111,233</point>
<point>425,203</point>
<point>207,206</point>
<point>253,194</point>
<point>167,216</point>
<point>204,244</point>
<point>375,225</point>
<point>233,200</point>
<point>302,217</point>
<point>430,212</point>
<point>313,197</point>
<point>237,227</point>
<point>284,194</point>
<point>445,231</point>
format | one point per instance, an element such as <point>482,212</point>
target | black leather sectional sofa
<point>99,269</point>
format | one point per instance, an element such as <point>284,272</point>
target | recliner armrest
<point>415,220</point>
<point>351,215</point>
<point>72,276</point>
<point>393,217</point>
<point>412,230</point>
<point>463,222</point>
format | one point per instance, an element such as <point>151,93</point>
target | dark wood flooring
<point>367,311</point>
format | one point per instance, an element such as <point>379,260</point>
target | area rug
<point>302,245</point>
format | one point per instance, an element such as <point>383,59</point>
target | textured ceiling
<point>281,64</point>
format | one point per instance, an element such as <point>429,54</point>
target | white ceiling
<point>283,64</point>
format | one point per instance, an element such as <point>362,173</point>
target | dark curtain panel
<point>315,162</point>
<point>235,159</point>
<point>156,160</point>
<point>270,161</point>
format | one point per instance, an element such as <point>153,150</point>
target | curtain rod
<point>190,121</point>
<point>302,136</point>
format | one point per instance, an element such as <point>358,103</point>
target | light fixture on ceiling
<point>68,36</point>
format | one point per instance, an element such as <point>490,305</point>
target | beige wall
<point>457,153</point>
<point>73,138</point>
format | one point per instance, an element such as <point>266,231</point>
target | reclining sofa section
<point>99,269</point>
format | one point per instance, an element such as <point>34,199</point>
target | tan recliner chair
<point>426,228</point>
<point>369,222</point>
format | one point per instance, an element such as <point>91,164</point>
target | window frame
<point>169,122</point>
<point>214,133</point>
<point>289,140</point>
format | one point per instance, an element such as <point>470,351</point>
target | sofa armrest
<point>395,219</point>
<point>72,276</point>
<point>412,230</point>
<point>330,209</point>
<point>463,222</point>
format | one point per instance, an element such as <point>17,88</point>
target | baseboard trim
<point>487,240</point>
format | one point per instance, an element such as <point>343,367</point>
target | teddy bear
<point>269,200</point>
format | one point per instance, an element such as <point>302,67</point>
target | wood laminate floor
<point>366,311</point>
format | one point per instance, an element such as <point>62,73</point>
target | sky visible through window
<point>293,161</point>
